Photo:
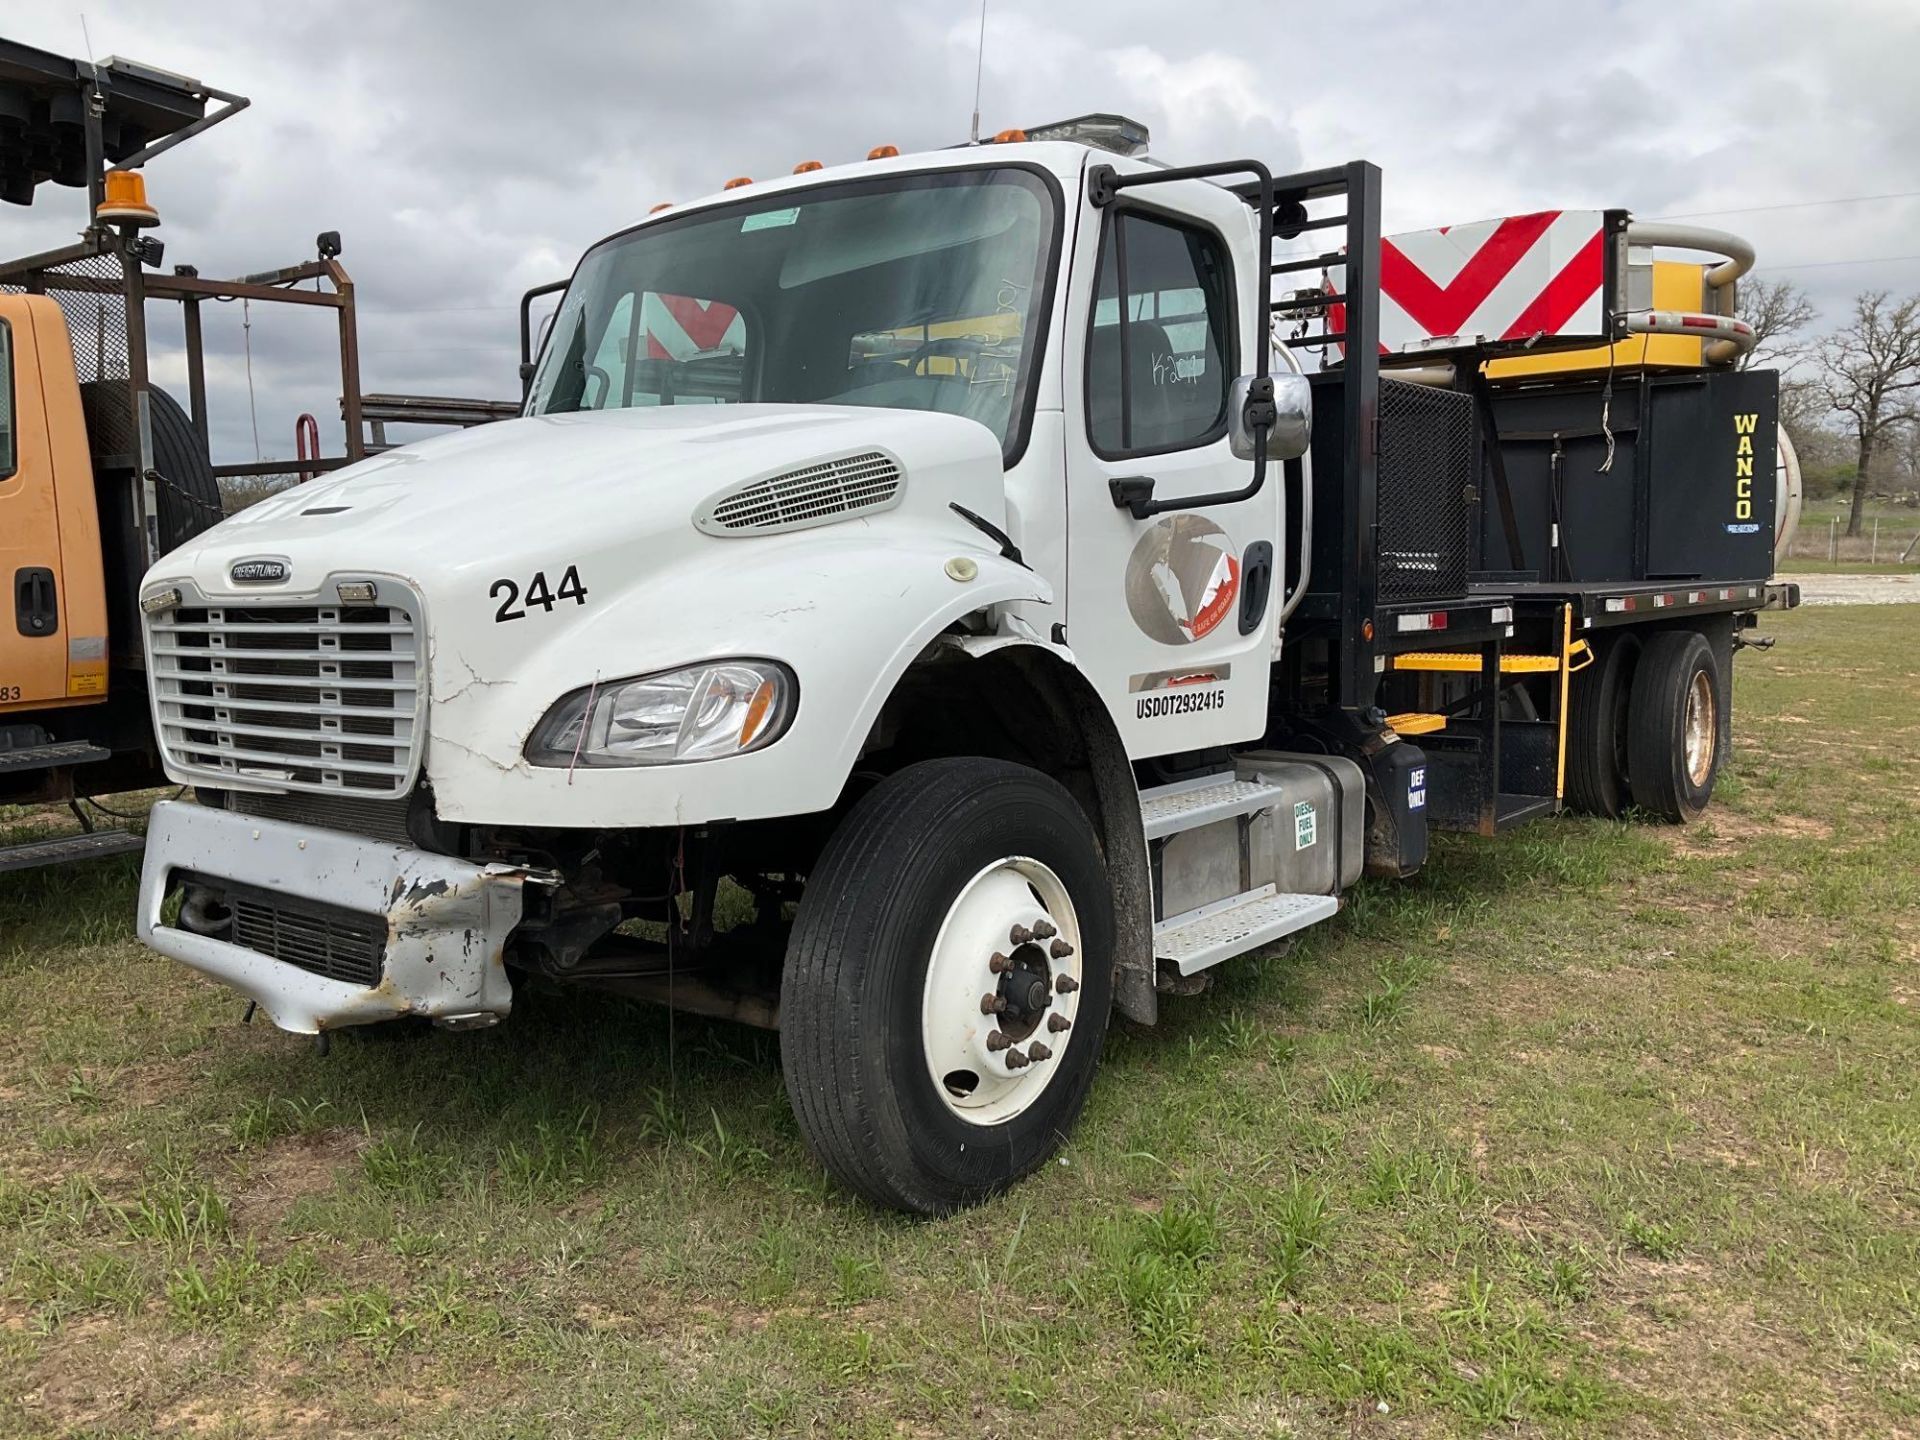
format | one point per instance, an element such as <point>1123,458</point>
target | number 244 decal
<point>507,592</point>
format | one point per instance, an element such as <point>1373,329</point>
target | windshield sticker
<point>770,219</point>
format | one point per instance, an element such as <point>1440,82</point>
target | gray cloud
<point>468,151</point>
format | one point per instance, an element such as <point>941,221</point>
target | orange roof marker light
<point>805,165</point>
<point>1010,137</point>
<point>125,200</point>
<point>883,152</point>
<point>737,181</point>
<point>663,205</point>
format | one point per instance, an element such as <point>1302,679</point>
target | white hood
<point>611,497</point>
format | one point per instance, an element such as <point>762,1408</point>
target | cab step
<point>49,757</point>
<point>1204,937</point>
<point>1413,722</point>
<point>1189,804</point>
<point>67,848</point>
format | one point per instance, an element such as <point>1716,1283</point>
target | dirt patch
<point>1858,589</point>
<point>1727,832</point>
<point>260,1415</point>
<point>287,1170</point>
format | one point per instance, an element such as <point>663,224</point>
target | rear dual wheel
<point>1649,725</point>
<point>1678,727</point>
<point>1597,729</point>
<point>947,984</point>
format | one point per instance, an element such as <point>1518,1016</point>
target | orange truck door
<point>52,594</point>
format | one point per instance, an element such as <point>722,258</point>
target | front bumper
<point>446,921</point>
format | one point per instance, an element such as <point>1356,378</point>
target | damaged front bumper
<point>326,930</point>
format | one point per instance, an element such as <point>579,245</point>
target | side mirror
<point>1292,428</point>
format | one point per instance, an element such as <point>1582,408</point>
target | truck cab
<point>897,618</point>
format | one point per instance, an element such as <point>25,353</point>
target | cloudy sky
<point>469,149</point>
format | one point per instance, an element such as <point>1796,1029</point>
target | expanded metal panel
<point>91,294</point>
<point>1427,464</point>
<point>834,490</point>
<point>306,696</point>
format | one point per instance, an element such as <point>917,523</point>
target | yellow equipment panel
<point>49,525</point>
<point>1677,285</point>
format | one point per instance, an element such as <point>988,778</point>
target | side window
<point>667,350</point>
<point>9,456</point>
<point>1161,345</point>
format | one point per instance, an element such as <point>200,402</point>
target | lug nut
<point>1037,1052</point>
<point>1060,949</point>
<point>1065,985</point>
<point>992,1004</point>
<point>999,964</point>
<point>1020,935</point>
<point>998,1040</point>
<point>1044,930</point>
<point>1017,1061</point>
<point>1058,1022</point>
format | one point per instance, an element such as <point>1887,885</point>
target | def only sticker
<point>1417,788</point>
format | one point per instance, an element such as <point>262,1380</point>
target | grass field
<point>1597,1129</point>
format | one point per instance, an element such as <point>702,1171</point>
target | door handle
<point>36,608</point>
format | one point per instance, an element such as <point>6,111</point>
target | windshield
<point>907,292</point>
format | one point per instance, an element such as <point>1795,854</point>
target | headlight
<point>703,712</point>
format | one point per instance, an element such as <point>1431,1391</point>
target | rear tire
<point>883,986</point>
<point>187,496</point>
<point>1597,729</point>
<point>1677,726</point>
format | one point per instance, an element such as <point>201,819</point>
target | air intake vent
<point>853,485</point>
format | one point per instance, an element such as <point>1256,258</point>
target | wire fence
<point>1880,542</point>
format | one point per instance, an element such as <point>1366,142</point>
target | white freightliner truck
<point>938,551</point>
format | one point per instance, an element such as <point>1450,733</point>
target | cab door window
<point>1160,350</point>
<point>9,449</point>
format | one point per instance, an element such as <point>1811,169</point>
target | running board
<point>49,757</point>
<point>92,846</point>
<point>1204,937</point>
<point>1189,804</point>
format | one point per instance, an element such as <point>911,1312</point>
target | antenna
<point>979,60</point>
<point>85,38</point>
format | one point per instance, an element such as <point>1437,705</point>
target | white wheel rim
<point>982,1073</point>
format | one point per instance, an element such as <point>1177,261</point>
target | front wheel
<point>947,983</point>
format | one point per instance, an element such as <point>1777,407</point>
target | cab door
<point>1171,616</point>
<point>52,604</point>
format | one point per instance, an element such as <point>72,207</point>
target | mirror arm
<point>1134,493</point>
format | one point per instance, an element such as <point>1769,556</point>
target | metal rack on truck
<point>101,471</point>
<point>958,555</point>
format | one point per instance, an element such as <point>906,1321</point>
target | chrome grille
<point>310,696</point>
<point>833,490</point>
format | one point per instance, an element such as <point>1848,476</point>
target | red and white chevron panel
<point>679,327</point>
<point>1527,277</point>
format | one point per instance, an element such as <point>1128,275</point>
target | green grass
<point>1594,1129</point>
<point>1820,566</point>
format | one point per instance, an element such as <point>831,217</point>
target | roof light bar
<point>1115,134</point>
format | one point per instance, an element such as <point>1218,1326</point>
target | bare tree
<point>1807,418</point>
<point>1778,310</point>
<point>1867,367</point>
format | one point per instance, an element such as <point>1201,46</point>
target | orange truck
<point>101,472</point>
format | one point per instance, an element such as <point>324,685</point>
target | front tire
<point>1677,727</point>
<point>952,883</point>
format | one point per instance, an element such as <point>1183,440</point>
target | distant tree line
<point>1850,398</point>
